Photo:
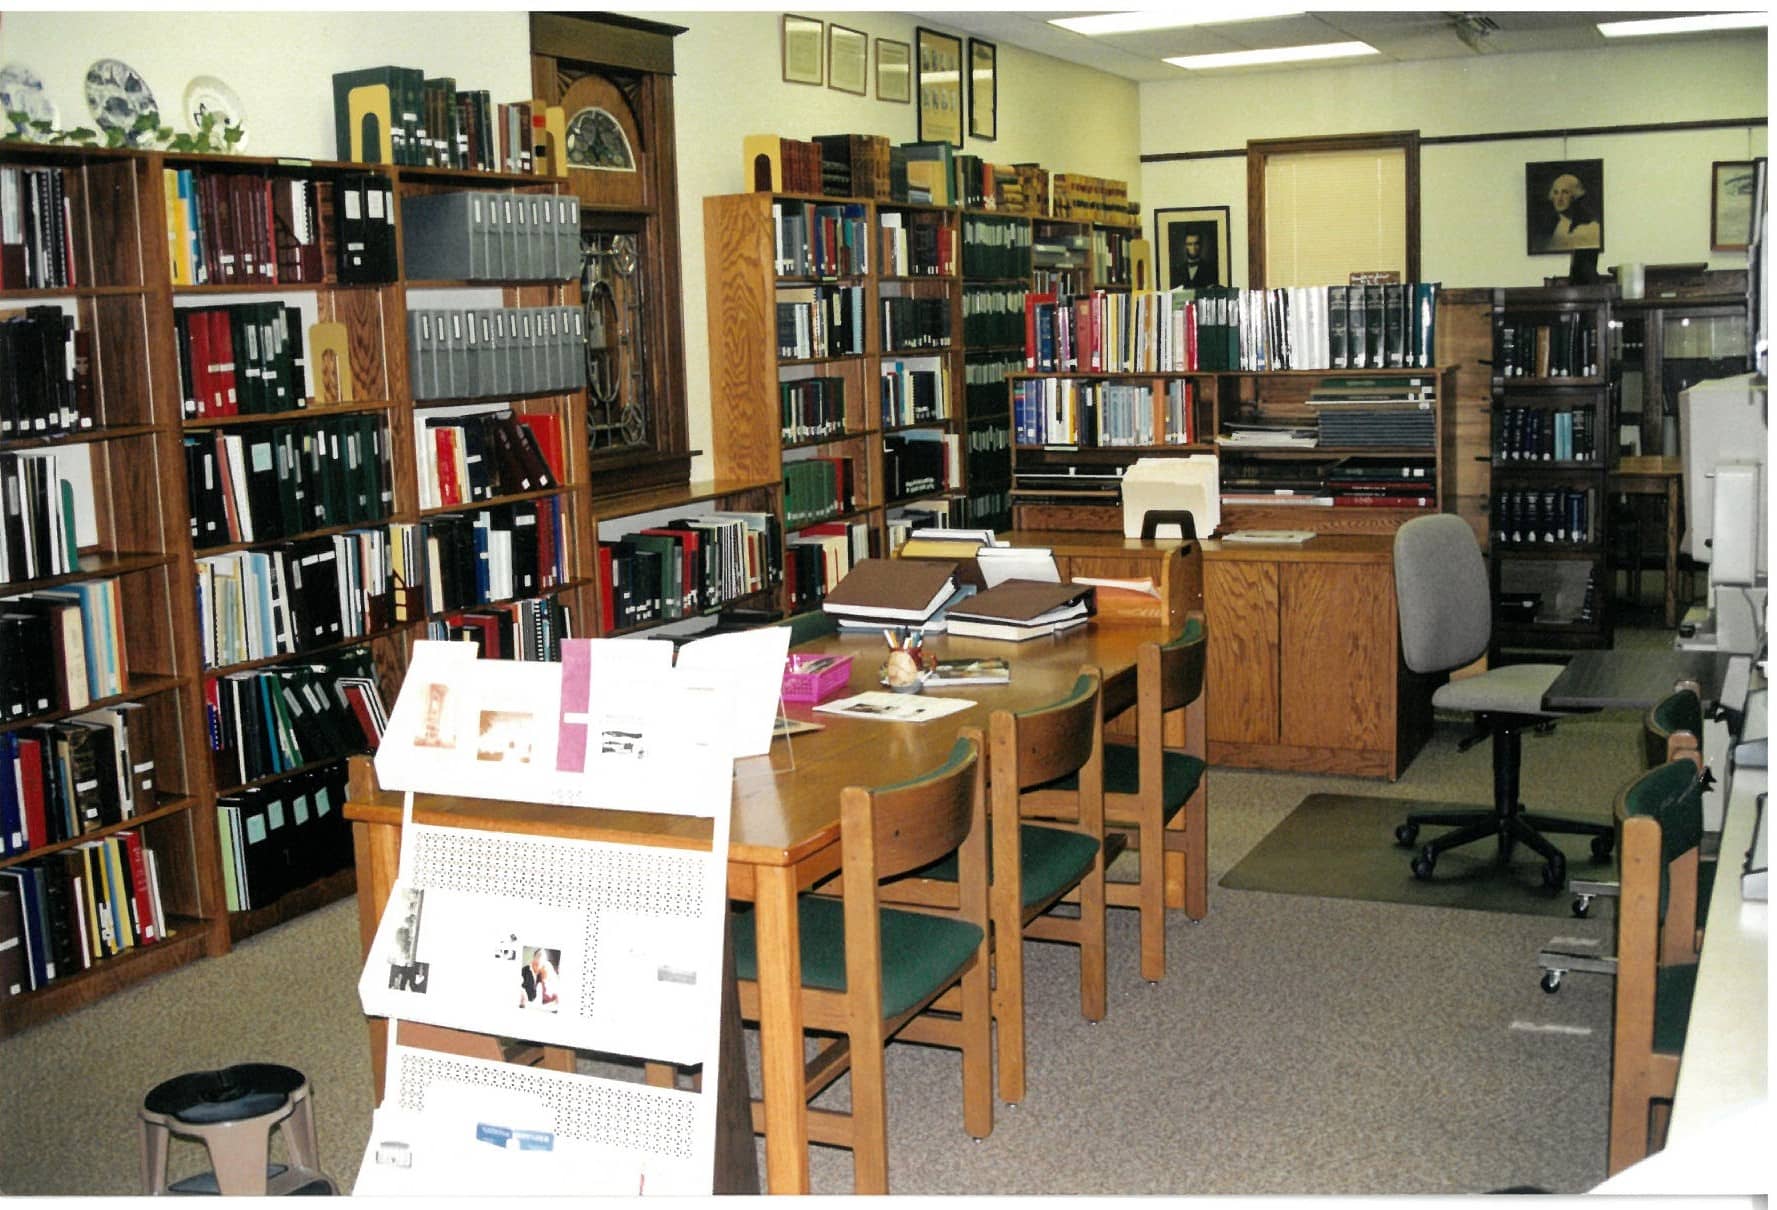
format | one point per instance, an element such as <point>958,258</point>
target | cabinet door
<point>1337,634</point>
<point>1240,604</point>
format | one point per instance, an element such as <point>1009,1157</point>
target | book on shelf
<point>364,228</point>
<point>37,515</point>
<point>475,453</point>
<point>45,373</point>
<point>65,648</point>
<point>283,835</point>
<point>281,480</point>
<point>68,910</point>
<point>36,230</point>
<point>483,235</point>
<point>269,721</point>
<point>241,359</point>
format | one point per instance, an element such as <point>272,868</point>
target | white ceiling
<point>1399,36</point>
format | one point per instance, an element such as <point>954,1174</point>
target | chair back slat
<point>1181,664</point>
<point>1679,713</point>
<point>1057,739</point>
<point>915,822</point>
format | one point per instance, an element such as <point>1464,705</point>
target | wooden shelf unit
<point>1221,397</point>
<point>137,511</point>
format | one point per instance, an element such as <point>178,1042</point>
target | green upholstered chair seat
<point>1050,860</point>
<point>1672,1006</point>
<point>1179,775</point>
<point>920,953</point>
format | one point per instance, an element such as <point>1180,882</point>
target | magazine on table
<point>894,707</point>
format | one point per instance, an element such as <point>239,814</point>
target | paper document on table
<point>894,707</point>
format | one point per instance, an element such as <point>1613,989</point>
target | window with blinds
<point>1329,214</point>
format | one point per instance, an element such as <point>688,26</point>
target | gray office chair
<point>1446,615</point>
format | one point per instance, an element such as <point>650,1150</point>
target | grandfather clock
<point>613,78</point>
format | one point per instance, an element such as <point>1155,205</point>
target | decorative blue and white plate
<point>117,95</point>
<point>21,91</point>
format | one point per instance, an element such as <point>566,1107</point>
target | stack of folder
<point>1022,609</point>
<point>879,593</point>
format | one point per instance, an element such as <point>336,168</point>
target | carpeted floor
<point>1297,1045</point>
<point>1341,846</point>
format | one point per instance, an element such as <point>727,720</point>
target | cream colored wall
<point>729,85</point>
<point>1472,194</point>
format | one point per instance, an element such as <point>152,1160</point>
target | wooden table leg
<point>780,1030</point>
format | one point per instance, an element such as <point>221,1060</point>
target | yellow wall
<point>729,85</point>
<point>1472,194</point>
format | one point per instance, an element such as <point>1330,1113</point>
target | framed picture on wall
<point>894,71</point>
<point>984,89</point>
<point>848,60</point>
<point>802,50</point>
<point>1564,206</point>
<point>1730,204</point>
<point>1192,243</point>
<point>938,79</point>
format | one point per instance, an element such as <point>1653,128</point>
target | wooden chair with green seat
<point>1661,815</point>
<point>1156,796</point>
<point>1039,863</point>
<point>871,973</point>
<point>1670,731</point>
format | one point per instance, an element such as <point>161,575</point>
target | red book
<point>607,609</point>
<point>31,801</point>
<point>225,401</point>
<point>547,428</point>
<point>444,450</point>
<point>548,542</point>
<point>140,894</point>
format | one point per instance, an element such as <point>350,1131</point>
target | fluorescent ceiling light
<point>1276,54</point>
<point>1701,23</point>
<point>1146,19</point>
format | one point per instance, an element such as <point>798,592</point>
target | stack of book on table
<point>878,593</point>
<point>1022,609</point>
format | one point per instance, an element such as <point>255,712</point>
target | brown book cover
<point>1022,601</point>
<point>895,590</point>
<point>15,975</point>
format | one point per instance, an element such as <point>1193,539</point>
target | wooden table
<point>1650,475</point>
<point>785,834</point>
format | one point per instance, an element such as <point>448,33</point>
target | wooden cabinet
<point>1304,659</point>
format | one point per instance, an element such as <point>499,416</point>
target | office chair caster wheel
<point>1406,834</point>
<point>1551,981</point>
<point>1555,874</point>
<point>1601,847</point>
<point>1422,864</point>
<point>1582,906</point>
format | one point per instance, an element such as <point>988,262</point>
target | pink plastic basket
<point>815,678</point>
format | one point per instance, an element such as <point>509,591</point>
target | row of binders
<point>1227,328</point>
<point>687,567</point>
<point>243,359</point>
<point>919,461</point>
<point>61,781</point>
<point>820,556</point>
<point>36,517</point>
<point>817,488</point>
<point>811,409</point>
<point>470,456</point>
<point>45,379</point>
<point>36,247</point>
<point>64,649</point>
<point>279,837</point>
<point>1093,413</point>
<point>461,354</point>
<point>820,240</point>
<point>915,323</point>
<point>530,630</point>
<point>1564,347</point>
<point>914,248</point>
<point>820,321</point>
<point>995,247</point>
<point>270,721</point>
<point>63,912</point>
<point>294,597</point>
<point>1546,516</point>
<point>500,553</point>
<point>241,228</point>
<point>993,315</point>
<point>1546,435</point>
<point>481,235</point>
<point>279,481</point>
<point>915,392</point>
